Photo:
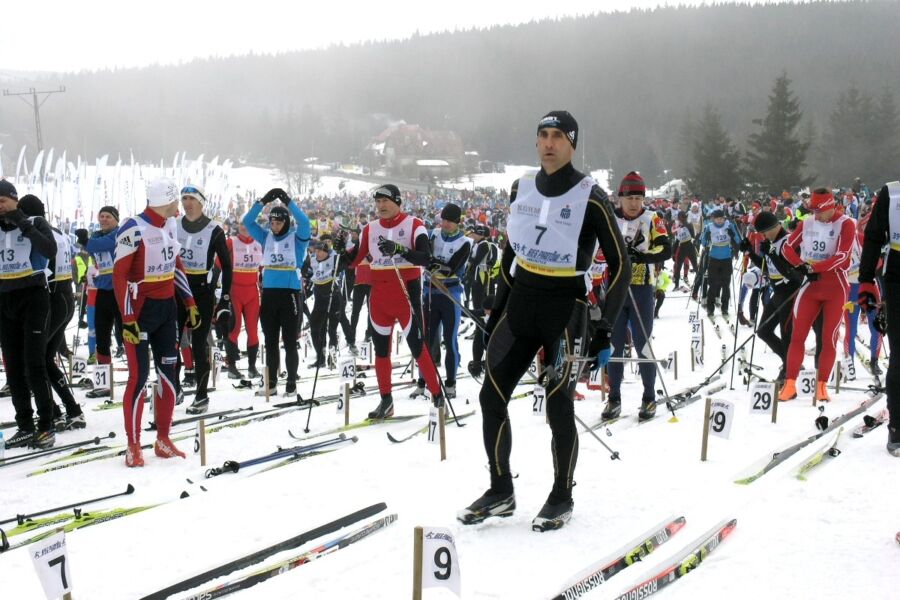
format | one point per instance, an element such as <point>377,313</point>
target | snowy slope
<point>829,537</point>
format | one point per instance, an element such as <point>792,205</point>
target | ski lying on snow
<point>447,419</point>
<point>829,449</point>
<point>236,421</point>
<point>870,423</point>
<point>755,473</point>
<point>636,550</point>
<point>357,425</point>
<point>292,563</point>
<point>233,466</point>
<point>684,564</point>
<point>77,522</point>
<point>260,555</point>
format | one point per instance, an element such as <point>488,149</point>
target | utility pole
<point>36,105</point>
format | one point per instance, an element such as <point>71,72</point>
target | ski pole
<point>312,399</point>
<point>649,346</point>
<point>26,457</point>
<point>752,335</point>
<point>613,454</point>
<point>755,320</point>
<point>412,318</point>
<point>20,519</point>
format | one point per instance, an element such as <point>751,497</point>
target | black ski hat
<point>280,213</point>
<point>717,214</point>
<point>9,190</point>
<point>562,120</point>
<point>451,212</point>
<point>111,210</point>
<point>31,205</point>
<point>764,221</point>
<point>388,190</point>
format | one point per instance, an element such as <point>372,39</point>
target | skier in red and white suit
<point>246,257</point>
<point>395,242</point>
<point>824,244</point>
<point>146,275</point>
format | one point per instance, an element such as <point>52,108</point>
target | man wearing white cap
<point>202,240</point>
<point>146,275</point>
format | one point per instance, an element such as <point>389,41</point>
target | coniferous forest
<point>812,89</point>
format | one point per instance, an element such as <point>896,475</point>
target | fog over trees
<point>643,86</point>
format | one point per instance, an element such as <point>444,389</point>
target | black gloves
<point>765,246</point>
<point>805,269</point>
<point>389,247</point>
<point>744,246</point>
<point>439,268</point>
<point>275,194</point>
<point>82,236</point>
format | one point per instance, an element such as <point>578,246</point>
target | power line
<point>36,105</point>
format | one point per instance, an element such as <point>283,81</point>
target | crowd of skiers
<point>563,272</point>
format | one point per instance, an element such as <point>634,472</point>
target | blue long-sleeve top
<point>103,248</point>
<point>719,248</point>
<point>300,229</point>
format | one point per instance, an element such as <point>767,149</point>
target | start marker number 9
<point>721,416</point>
<point>762,396</point>
<point>440,567</point>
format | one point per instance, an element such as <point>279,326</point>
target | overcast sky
<point>94,34</point>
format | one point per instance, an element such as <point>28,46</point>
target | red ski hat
<point>632,185</point>
<point>821,199</point>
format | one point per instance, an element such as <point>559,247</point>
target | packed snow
<point>829,537</point>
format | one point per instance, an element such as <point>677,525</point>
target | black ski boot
<point>44,439</point>
<point>613,408</point>
<point>648,409</point>
<point>385,408</point>
<point>553,516</point>
<point>75,422</point>
<point>252,353</point>
<point>198,406</point>
<point>290,388</point>
<point>21,439</point>
<point>319,363</point>
<point>490,504</point>
<point>189,379</point>
<point>232,371</point>
<point>893,445</point>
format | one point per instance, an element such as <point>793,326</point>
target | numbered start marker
<point>52,565</point>
<point>79,368</point>
<point>806,383</point>
<point>721,415</point>
<point>440,567</point>
<point>101,376</point>
<point>434,431</point>
<point>347,370</point>
<point>849,368</point>
<point>365,353</point>
<point>670,362</point>
<point>762,397</point>
<point>697,331</point>
<point>539,400</point>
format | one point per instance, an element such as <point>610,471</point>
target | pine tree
<point>848,144</point>
<point>777,156</point>
<point>716,162</point>
<point>885,143</point>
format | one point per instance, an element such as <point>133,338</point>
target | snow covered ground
<point>829,537</point>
